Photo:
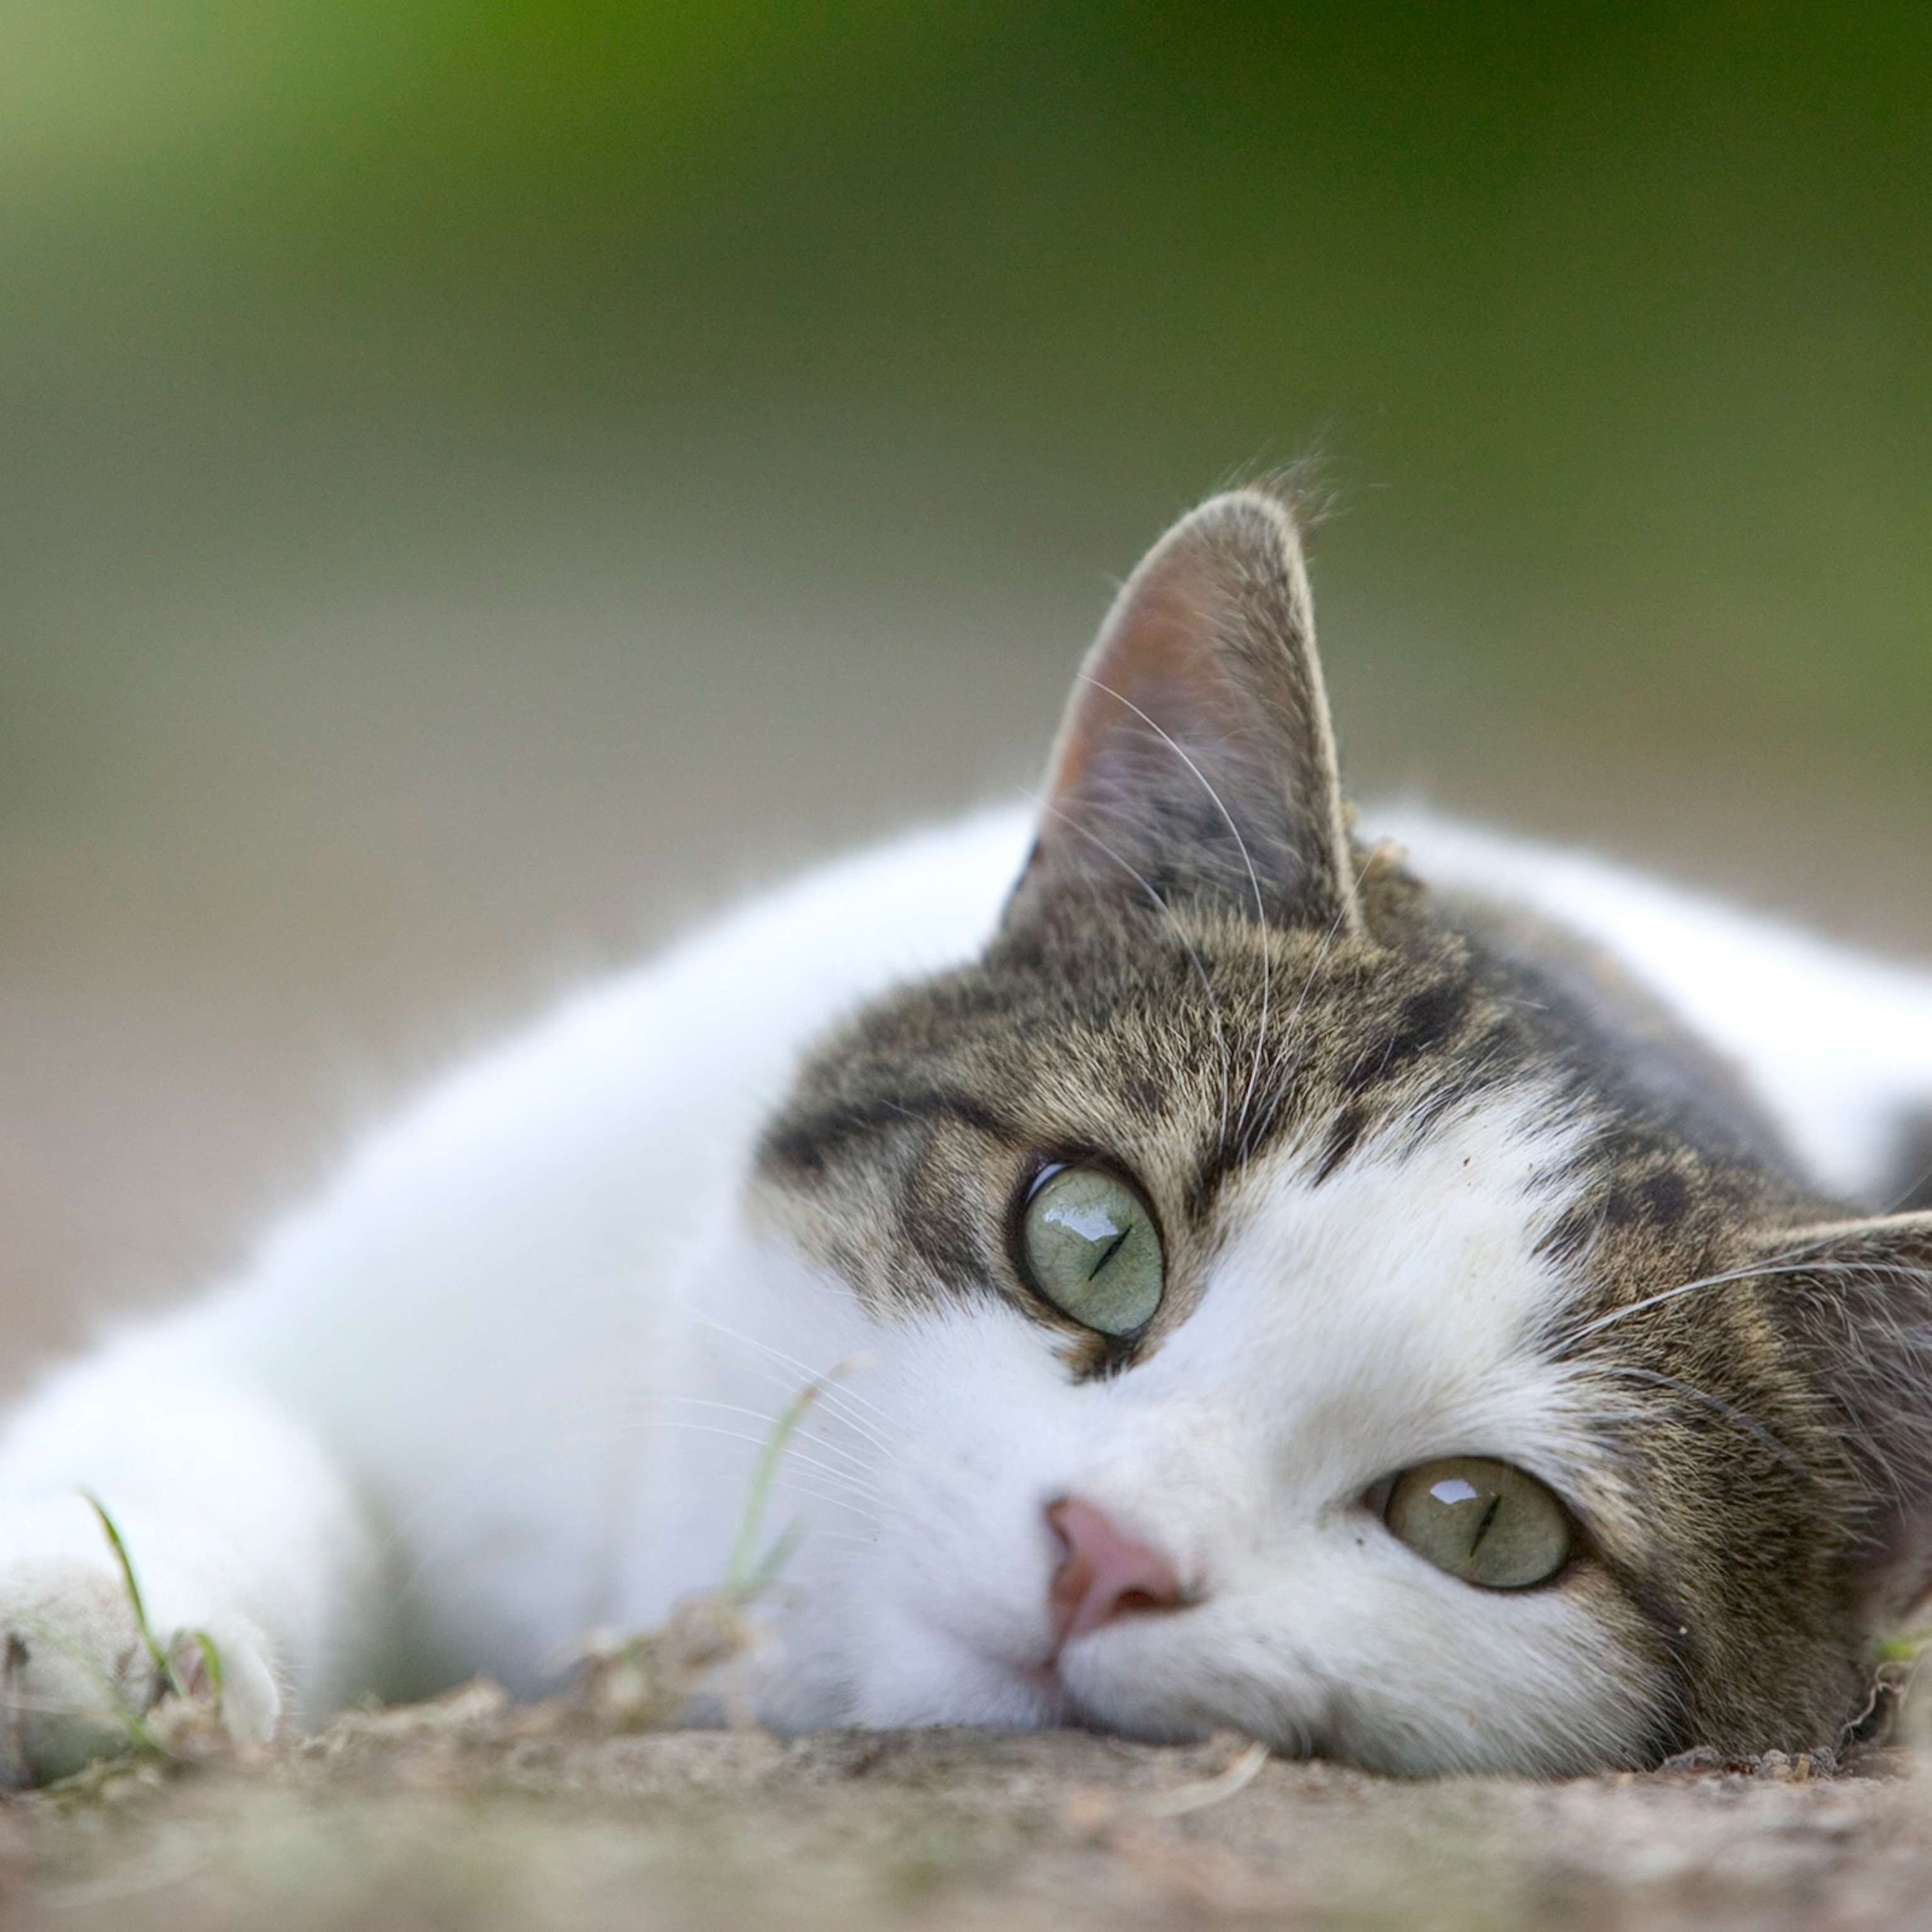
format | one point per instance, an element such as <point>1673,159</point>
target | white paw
<point>78,1679</point>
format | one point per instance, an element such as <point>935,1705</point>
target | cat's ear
<point>1863,1292</point>
<point>1197,760</point>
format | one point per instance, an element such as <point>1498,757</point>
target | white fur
<point>1341,1336</point>
<point>507,1377</point>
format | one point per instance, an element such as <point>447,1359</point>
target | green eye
<point>1090,1246</point>
<point>1482,1521</point>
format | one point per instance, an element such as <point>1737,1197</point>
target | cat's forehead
<point>1405,1304</point>
<point>1205,1057</point>
<point>1240,1075</point>
<point>1184,1046</point>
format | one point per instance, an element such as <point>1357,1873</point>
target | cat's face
<point>1260,1270</point>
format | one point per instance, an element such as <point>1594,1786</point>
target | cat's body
<point>1419,1176</point>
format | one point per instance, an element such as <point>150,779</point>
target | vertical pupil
<point>1103,1231</point>
<point>1456,1493</point>
<point>1482,1528</point>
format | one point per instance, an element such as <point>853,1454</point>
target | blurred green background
<point>480,482</point>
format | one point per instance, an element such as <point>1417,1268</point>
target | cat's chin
<point>940,1683</point>
<point>1127,1704</point>
<point>988,1702</point>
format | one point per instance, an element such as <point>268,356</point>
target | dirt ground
<point>466,1812</point>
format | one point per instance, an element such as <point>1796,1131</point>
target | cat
<point>1399,1293</point>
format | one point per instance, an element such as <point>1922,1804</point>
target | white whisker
<point>832,1394</point>
<point>854,1484</point>
<point>758,1415</point>
<point>1773,1264</point>
<point>1716,1403</point>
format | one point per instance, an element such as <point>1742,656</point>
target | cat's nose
<point>1104,1575</point>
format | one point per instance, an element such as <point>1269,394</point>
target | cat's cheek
<point>1341,1649</point>
<point>916,1673</point>
<point>981,1437</point>
<point>951,1618</point>
<point>1437,1675</point>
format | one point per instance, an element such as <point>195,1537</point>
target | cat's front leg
<point>244,1571</point>
<point>85,1655</point>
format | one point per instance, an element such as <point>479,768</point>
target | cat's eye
<point>1482,1521</point>
<point>1089,1244</point>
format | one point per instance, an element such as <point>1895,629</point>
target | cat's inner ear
<point>1196,760</point>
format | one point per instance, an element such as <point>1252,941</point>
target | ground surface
<point>469,1814</point>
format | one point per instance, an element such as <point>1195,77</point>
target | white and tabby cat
<point>1424,1317</point>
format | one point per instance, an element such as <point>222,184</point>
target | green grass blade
<point>745,1576</point>
<point>211,1659</point>
<point>163,1663</point>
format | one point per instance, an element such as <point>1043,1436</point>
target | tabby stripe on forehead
<point>1426,1021</point>
<point>807,1143</point>
<point>1344,1135</point>
<point>1233,1151</point>
<point>1426,1025</point>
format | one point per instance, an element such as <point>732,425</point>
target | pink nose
<point>1103,1575</point>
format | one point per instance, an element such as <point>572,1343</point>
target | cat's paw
<point>79,1681</point>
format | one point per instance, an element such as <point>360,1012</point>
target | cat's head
<point>1302,1306</point>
